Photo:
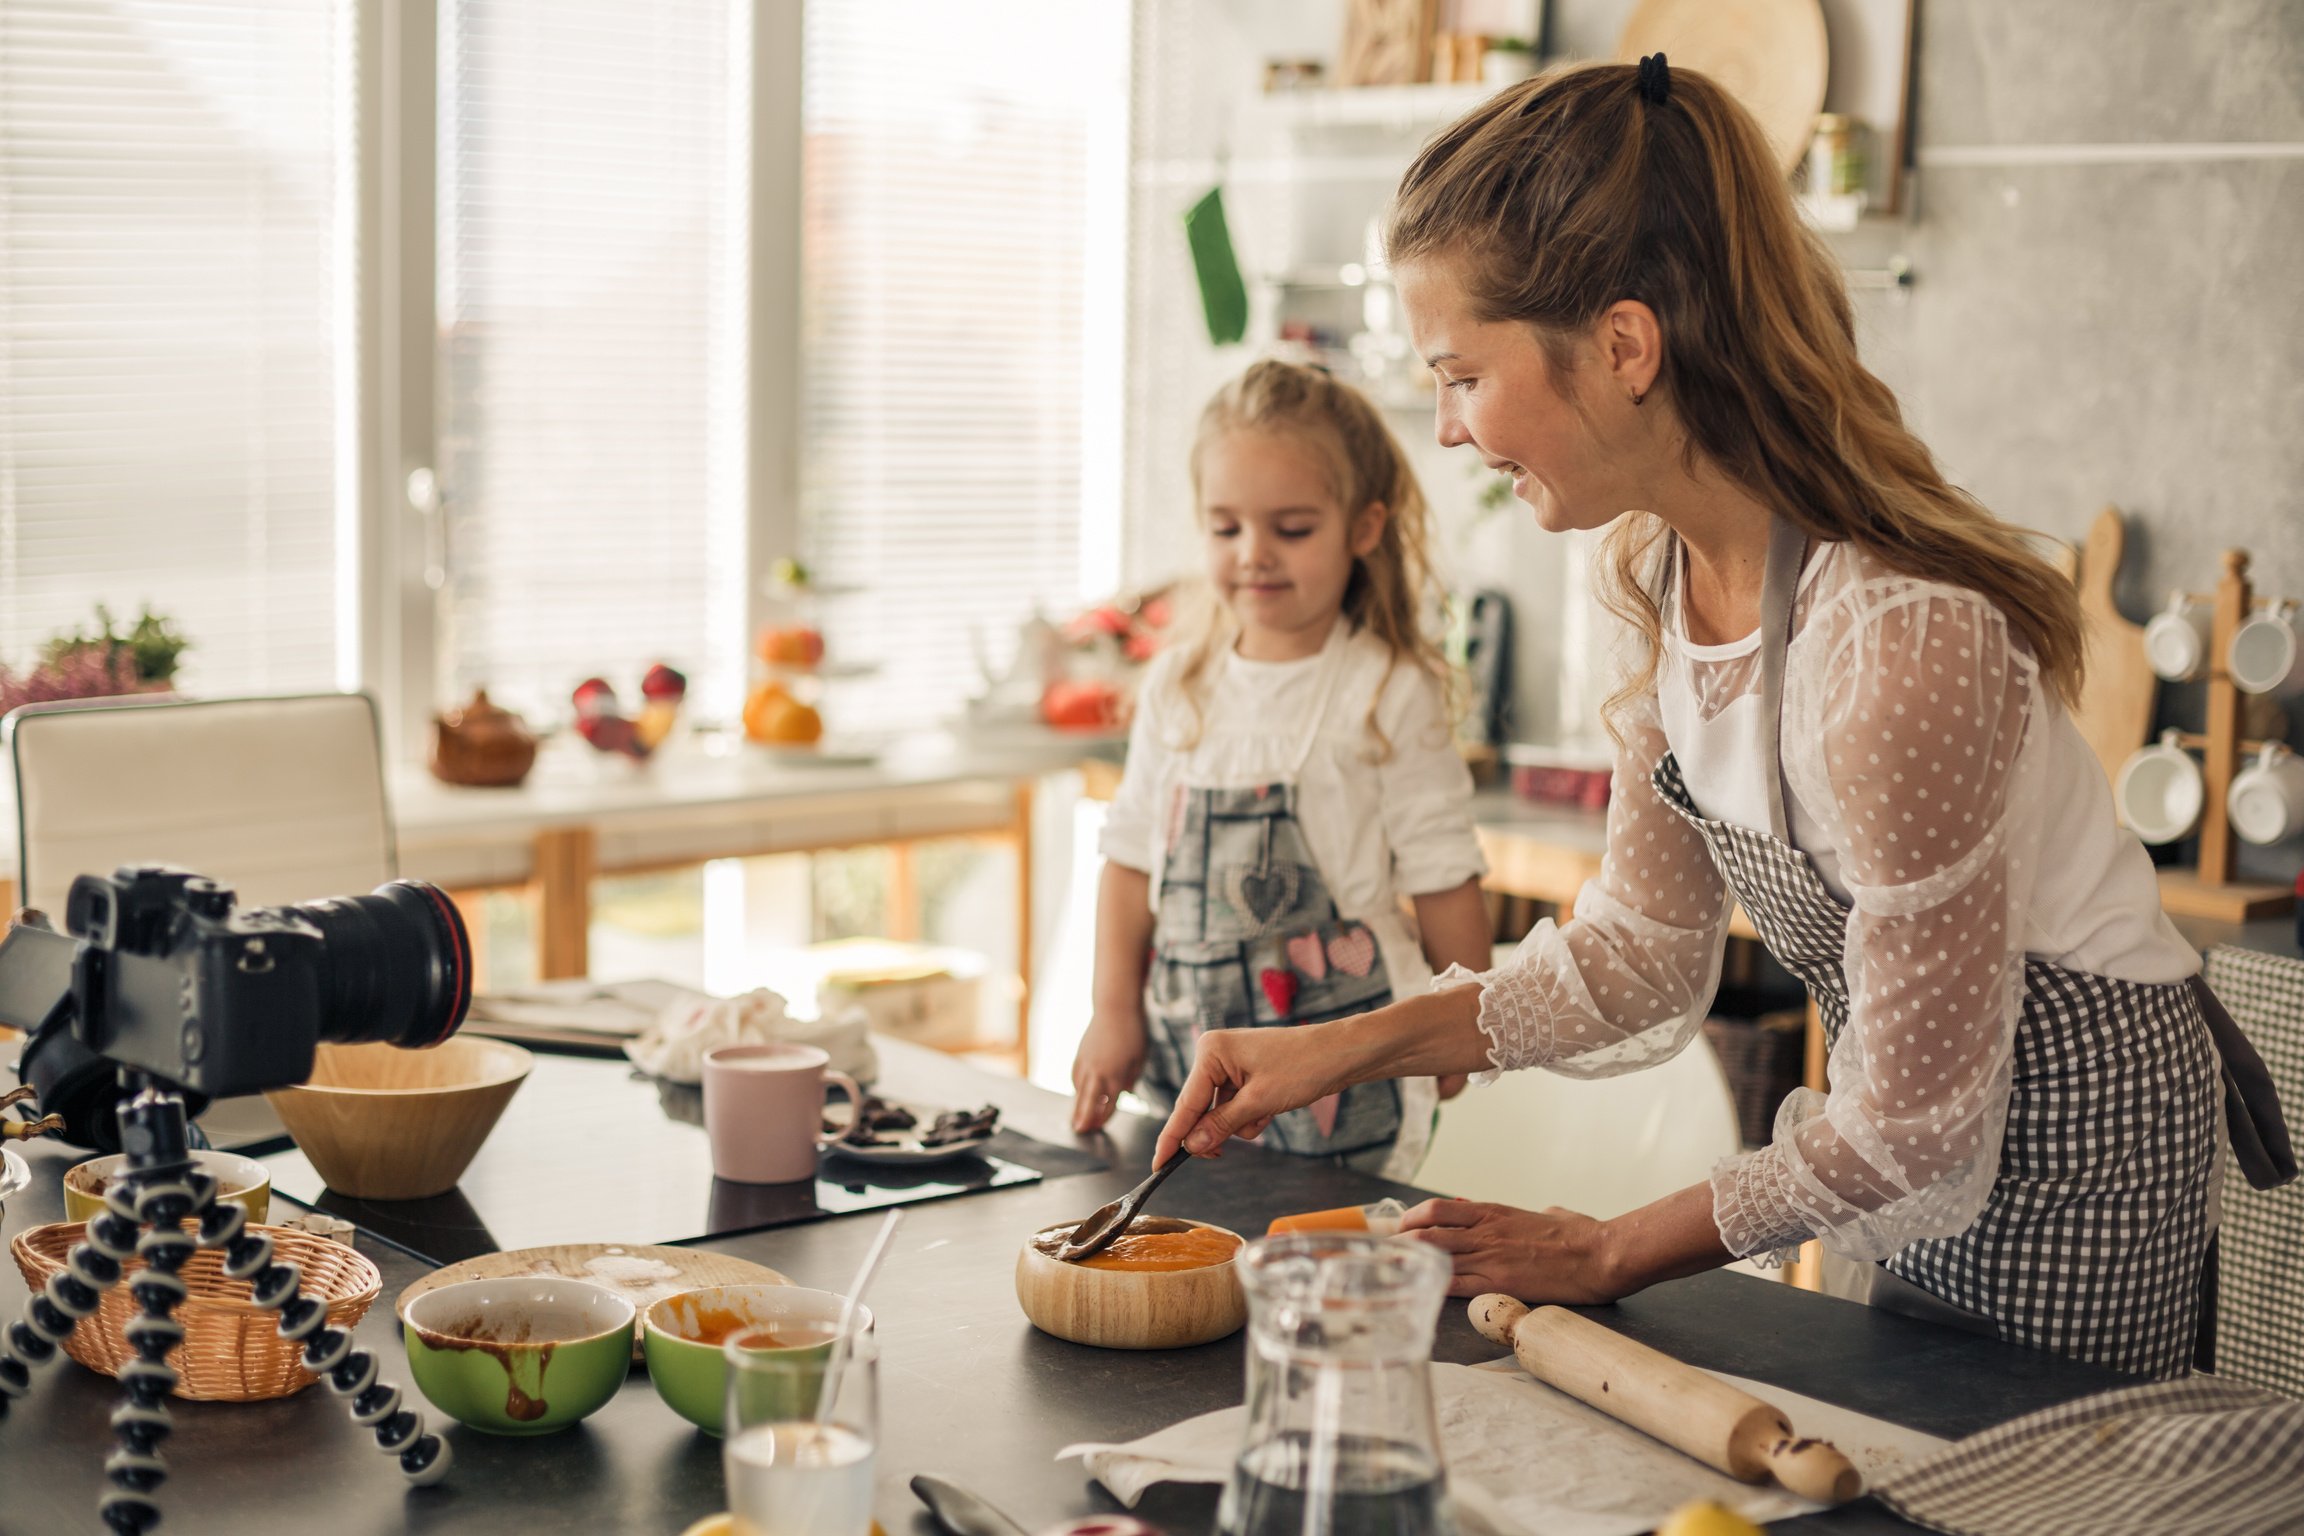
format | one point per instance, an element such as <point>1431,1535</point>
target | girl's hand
<point>1110,1059</point>
<point>1241,1078</point>
<point>1538,1256</point>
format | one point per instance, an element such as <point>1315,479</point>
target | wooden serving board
<point>2116,700</point>
<point>641,1273</point>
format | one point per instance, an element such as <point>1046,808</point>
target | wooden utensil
<point>642,1274</point>
<point>2115,713</point>
<point>1108,1221</point>
<point>1678,1404</point>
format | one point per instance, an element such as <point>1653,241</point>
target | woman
<point>1846,709</point>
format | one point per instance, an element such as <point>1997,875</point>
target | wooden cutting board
<point>2116,701</point>
<point>1771,55</point>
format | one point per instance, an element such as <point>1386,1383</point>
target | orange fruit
<point>772,715</point>
<point>796,646</point>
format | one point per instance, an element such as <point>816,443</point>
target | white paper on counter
<point>1525,1459</point>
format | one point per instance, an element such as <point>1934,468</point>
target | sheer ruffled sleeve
<point>1625,983</point>
<point>1904,724</point>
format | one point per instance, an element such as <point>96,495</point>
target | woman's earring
<point>1637,397</point>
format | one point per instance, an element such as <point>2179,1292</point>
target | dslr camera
<point>161,971</point>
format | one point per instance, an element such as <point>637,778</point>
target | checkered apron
<point>2092,1240</point>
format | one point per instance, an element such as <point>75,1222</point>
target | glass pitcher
<point>1341,1438</point>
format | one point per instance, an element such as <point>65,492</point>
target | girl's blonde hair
<point>1386,592</point>
<point>1565,194</point>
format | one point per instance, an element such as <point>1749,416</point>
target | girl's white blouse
<point>1942,793</point>
<point>1378,825</point>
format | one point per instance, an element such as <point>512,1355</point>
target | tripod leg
<point>31,1342</point>
<point>328,1353</point>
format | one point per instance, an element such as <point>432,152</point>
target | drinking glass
<point>793,1471</point>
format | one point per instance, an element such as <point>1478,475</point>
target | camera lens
<point>396,965</point>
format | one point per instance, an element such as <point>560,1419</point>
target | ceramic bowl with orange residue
<point>1165,1284</point>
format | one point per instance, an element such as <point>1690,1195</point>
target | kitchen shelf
<point>1373,106</point>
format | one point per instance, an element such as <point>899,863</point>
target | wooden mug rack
<point>2209,890</point>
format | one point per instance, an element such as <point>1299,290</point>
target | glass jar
<point>1341,1439</point>
<point>1836,156</point>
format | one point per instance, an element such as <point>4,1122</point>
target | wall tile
<point>2123,334</point>
<point>2132,71</point>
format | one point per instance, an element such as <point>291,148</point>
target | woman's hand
<point>1241,1078</point>
<point>1538,1256</point>
<point>1110,1059</point>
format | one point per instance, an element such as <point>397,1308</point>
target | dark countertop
<point>969,1389</point>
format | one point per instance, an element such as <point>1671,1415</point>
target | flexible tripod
<point>160,1190</point>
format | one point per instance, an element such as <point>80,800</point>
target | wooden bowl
<point>382,1123</point>
<point>1130,1309</point>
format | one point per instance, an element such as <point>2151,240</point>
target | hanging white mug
<point>2160,792</point>
<point>2266,800</point>
<point>2176,640</point>
<point>2265,653</point>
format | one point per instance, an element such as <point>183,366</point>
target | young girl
<point>1290,776</point>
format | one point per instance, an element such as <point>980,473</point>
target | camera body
<point>173,978</point>
<point>164,973</point>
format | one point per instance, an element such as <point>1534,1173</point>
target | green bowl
<point>682,1337</point>
<point>523,1356</point>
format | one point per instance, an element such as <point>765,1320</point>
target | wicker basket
<point>232,1350</point>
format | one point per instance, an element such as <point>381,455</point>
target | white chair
<point>1602,1146</point>
<point>282,799</point>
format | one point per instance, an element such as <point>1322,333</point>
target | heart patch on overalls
<point>1263,896</point>
<point>1279,990</point>
<point>1305,954</point>
<point>1353,951</point>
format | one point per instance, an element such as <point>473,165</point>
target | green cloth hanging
<point>1223,297</point>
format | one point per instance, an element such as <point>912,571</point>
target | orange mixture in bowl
<point>1192,1248</point>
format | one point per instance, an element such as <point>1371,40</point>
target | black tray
<point>593,1151</point>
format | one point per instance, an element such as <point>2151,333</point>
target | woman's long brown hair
<point>1567,193</point>
<point>1389,586</point>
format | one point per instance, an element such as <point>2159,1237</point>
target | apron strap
<point>1779,586</point>
<point>2251,1102</point>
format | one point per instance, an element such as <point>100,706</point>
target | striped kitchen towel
<point>2198,1455</point>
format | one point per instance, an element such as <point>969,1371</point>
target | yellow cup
<point>243,1181</point>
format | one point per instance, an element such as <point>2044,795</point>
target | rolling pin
<point>1685,1408</point>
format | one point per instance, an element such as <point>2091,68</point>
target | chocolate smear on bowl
<point>513,1340</point>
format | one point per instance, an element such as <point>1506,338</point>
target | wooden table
<point>581,815</point>
<point>970,1390</point>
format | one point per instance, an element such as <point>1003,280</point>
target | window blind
<point>951,200</point>
<point>175,305</point>
<point>591,291</point>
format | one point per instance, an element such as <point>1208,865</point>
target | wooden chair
<point>280,798</point>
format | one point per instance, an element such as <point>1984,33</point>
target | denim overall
<point>1246,936</point>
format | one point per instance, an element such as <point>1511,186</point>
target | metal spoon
<point>961,1511</point>
<point>1107,1222</point>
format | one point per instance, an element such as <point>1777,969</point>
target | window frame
<point>400,538</point>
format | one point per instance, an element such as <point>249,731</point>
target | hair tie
<point>1655,80</point>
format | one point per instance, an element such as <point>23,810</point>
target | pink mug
<point>764,1110</point>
